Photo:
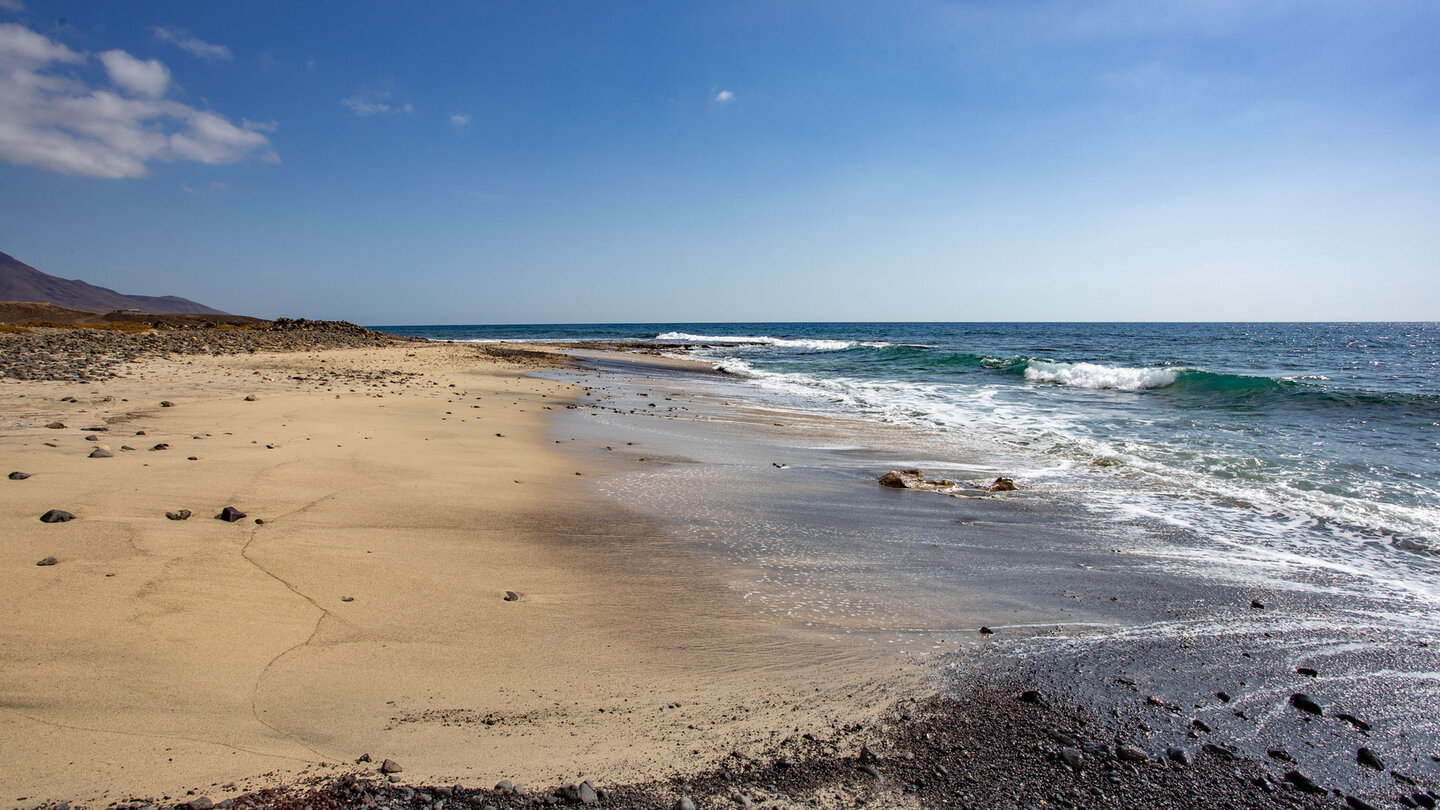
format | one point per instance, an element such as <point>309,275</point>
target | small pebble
<point>230,514</point>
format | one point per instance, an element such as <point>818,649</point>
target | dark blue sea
<point>1311,444</point>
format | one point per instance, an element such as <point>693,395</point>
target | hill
<point>21,282</point>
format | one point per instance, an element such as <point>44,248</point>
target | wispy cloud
<point>459,120</point>
<point>53,120</point>
<point>12,5</point>
<point>723,97</point>
<point>192,45</point>
<point>366,104</point>
<point>141,77</point>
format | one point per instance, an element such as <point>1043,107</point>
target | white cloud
<point>459,120</point>
<point>724,97</point>
<point>377,103</point>
<point>143,78</point>
<point>12,5</point>
<point>191,45</point>
<point>52,120</point>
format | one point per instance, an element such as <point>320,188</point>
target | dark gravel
<point>978,746</point>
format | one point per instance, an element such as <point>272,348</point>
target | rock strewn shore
<point>988,746</point>
<point>90,354</point>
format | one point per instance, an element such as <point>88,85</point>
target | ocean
<point>1318,439</point>
<point>1201,507</point>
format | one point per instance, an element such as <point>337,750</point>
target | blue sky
<point>479,162</point>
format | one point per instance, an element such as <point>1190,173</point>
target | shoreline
<point>632,617</point>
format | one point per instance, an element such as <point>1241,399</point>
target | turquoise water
<point>1322,439</point>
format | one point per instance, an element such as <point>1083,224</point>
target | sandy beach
<point>392,497</point>
<point>462,567</point>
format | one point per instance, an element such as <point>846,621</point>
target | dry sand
<point>159,656</point>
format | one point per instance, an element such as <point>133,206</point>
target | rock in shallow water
<point>1002,484</point>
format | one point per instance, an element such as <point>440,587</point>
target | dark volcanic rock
<point>1130,753</point>
<point>390,766</point>
<point>56,516</point>
<point>48,561</point>
<point>1367,758</point>
<point>182,514</point>
<point>19,476</point>
<point>1304,703</point>
<point>1303,782</point>
<point>231,514</point>
<point>511,596</point>
<point>1353,720</point>
<point>101,452</point>
<point>165,403</point>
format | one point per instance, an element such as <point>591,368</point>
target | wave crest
<point>817,345</point>
<point>1097,376</point>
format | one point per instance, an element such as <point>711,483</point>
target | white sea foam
<point>1095,375</point>
<point>766,340</point>
<point>1359,531</point>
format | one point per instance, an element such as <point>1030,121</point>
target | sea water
<point>1334,427</point>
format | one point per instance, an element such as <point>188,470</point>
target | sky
<point>579,162</point>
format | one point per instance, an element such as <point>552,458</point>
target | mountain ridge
<point>22,283</point>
